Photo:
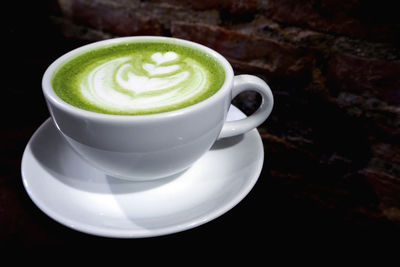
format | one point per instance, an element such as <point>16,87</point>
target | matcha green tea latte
<point>133,78</point>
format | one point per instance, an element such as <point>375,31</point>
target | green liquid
<point>95,80</point>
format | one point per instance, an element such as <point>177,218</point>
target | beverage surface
<point>131,78</point>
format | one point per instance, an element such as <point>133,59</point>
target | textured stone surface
<point>332,138</point>
<point>234,6</point>
<point>367,77</point>
<point>359,19</point>
<point>117,17</point>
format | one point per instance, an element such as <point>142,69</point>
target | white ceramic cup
<point>147,147</point>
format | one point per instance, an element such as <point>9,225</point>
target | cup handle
<point>249,83</point>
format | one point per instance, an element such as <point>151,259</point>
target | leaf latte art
<point>131,83</point>
<point>141,81</point>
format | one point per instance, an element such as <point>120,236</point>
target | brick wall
<point>334,67</point>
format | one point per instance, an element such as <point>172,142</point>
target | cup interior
<point>54,99</point>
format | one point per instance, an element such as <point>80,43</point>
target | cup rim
<point>54,99</point>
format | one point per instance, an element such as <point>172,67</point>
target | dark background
<point>332,161</point>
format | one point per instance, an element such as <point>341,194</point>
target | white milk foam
<point>134,83</point>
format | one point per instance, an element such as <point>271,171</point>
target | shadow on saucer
<point>227,142</point>
<point>56,156</point>
<point>120,186</point>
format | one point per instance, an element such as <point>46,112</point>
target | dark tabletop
<point>279,210</point>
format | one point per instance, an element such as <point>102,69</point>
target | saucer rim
<point>138,233</point>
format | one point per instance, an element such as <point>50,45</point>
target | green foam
<point>65,80</point>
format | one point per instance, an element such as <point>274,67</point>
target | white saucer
<point>81,197</point>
